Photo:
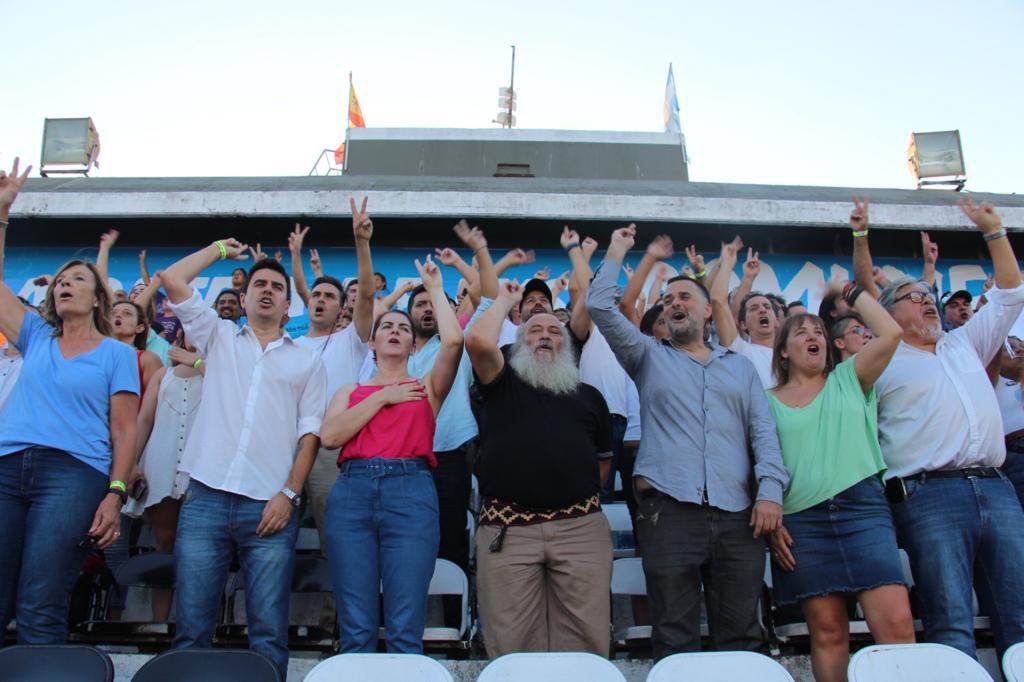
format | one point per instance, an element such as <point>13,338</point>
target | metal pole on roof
<point>511,87</point>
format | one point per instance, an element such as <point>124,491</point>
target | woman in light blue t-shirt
<point>67,441</point>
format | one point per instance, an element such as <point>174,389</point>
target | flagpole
<point>348,123</point>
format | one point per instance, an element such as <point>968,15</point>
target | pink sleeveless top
<point>404,430</point>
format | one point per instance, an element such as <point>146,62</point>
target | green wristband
<point>118,485</point>
<point>223,249</point>
<point>862,233</point>
<point>198,362</point>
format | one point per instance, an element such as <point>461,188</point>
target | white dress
<point>176,408</point>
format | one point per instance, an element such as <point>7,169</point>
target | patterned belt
<point>497,513</point>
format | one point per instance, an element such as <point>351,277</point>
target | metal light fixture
<point>937,155</point>
<point>69,142</point>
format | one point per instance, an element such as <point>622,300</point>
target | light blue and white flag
<point>671,108</point>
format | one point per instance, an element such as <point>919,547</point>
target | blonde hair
<point>101,314</point>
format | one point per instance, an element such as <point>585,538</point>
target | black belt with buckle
<point>896,489</point>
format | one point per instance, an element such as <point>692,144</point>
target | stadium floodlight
<point>69,142</point>
<point>937,155</point>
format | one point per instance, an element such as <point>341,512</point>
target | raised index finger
<point>362,209</point>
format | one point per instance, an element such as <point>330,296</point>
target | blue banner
<point>795,277</point>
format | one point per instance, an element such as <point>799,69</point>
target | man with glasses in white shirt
<point>250,450</point>
<point>941,434</point>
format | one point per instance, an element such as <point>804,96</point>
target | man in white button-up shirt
<point>251,448</point>
<point>941,434</point>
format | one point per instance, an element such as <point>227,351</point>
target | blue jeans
<point>214,523</point>
<point>382,526</point>
<point>958,533</point>
<point>1013,466</point>
<point>47,503</point>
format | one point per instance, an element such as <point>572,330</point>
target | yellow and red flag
<point>355,119</point>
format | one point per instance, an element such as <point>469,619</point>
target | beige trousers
<point>548,589</point>
<point>318,486</point>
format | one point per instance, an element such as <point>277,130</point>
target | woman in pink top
<point>382,516</point>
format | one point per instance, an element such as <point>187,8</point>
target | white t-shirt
<point>1011,404</point>
<point>938,410</point>
<point>342,352</point>
<point>760,355</point>
<point>600,369</point>
<point>10,368</point>
<point>508,333</point>
<point>632,412</point>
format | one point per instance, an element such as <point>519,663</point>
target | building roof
<point>507,198</point>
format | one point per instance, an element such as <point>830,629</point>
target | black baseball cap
<point>538,285</point>
<point>950,295</point>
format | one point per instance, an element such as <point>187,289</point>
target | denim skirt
<point>846,544</point>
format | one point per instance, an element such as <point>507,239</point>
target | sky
<point>788,93</point>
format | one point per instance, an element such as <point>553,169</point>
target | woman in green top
<point>837,537</point>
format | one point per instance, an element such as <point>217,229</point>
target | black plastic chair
<point>153,570</point>
<point>209,665</point>
<point>55,663</point>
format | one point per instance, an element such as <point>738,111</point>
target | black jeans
<point>684,545</point>
<point>451,478</point>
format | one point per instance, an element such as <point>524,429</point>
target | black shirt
<point>539,449</point>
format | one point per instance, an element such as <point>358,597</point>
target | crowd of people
<point>738,422</point>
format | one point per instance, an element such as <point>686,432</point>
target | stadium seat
<point>914,663</point>
<point>449,580</point>
<point>55,663</point>
<point>307,541</point>
<point>139,576</point>
<point>718,666</point>
<point>209,665</point>
<point>311,580</point>
<point>1013,663</point>
<point>379,668</point>
<point>551,667</point>
<point>623,542</point>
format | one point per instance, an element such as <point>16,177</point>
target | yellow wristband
<point>862,233</point>
<point>198,362</point>
<point>223,249</point>
<point>119,485</point>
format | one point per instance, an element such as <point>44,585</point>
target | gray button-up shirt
<point>703,426</point>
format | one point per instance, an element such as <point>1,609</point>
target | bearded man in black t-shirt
<point>544,551</point>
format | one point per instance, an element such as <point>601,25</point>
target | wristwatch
<point>292,496</point>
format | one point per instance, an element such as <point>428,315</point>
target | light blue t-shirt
<point>456,424</point>
<point>65,404</point>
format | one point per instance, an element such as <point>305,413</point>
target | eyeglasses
<point>918,297</point>
<point>855,329</point>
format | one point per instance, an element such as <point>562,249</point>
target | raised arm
<point>388,302</point>
<point>725,319</point>
<point>295,239</point>
<point>513,258</point>
<point>362,230</point>
<point>863,268</point>
<point>12,312</point>
<point>580,321</point>
<point>107,241</point>
<point>152,286</point>
<point>660,275</point>
<point>177,277</point>
<point>930,255</point>
<point>143,270</point>
<point>625,340</point>
<point>751,269</point>
<point>872,360</point>
<point>469,275</point>
<point>1007,273</point>
<point>315,265</point>
<point>658,250</point>
<point>700,271</point>
<point>482,337</point>
<point>488,274</point>
<point>442,374</point>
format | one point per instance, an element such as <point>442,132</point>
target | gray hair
<point>888,296</point>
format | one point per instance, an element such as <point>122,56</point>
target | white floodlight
<point>937,155</point>
<point>69,142</point>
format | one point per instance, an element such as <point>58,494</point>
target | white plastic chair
<point>449,579</point>
<point>914,663</point>
<point>718,666</point>
<point>621,525</point>
<point>379,668</point>
<point>550,667</point>
<point>1013,663</point>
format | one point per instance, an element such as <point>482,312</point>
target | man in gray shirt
<point>708,435</point>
